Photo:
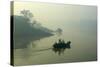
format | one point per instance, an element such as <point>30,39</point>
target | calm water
<point>83,47</point>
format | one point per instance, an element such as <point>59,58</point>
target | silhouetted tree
<point>27,14</point>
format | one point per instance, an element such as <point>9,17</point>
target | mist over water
<point>78,25</point>
<point>83,48</point>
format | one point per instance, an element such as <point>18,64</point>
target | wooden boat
<point>62,44</point>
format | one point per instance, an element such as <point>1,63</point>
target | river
<point>83,48</point>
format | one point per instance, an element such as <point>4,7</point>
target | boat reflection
<point>61,46</point>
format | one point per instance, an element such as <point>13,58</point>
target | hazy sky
<point>54,15</point>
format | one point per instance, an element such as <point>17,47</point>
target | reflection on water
<point>43,50</point>
<point>23,42</point>
<point>61,46</point>
<point>59,50</point>
<point>57,47</point>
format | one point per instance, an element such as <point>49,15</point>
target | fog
<point>75,23</point>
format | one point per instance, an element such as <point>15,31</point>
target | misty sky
<point>60,15</point>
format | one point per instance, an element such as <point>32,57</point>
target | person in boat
<point>60,44</point>
<point>60,41</point>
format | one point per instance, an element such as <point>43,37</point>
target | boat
<point>61,44</point>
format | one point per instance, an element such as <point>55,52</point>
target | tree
<point>27,14</point>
